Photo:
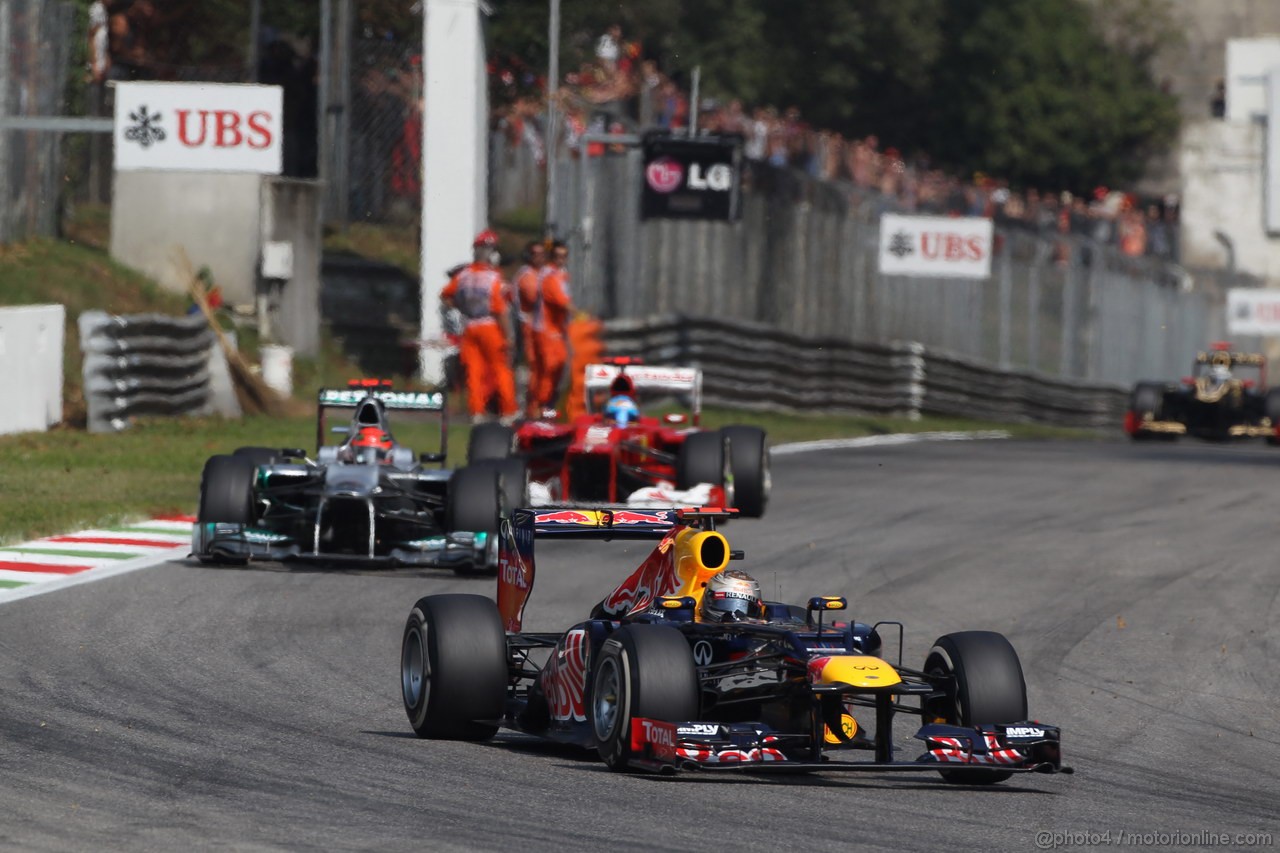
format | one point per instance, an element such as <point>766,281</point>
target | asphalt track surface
<point>258,709</point>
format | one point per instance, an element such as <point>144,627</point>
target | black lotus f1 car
<point>648,685</point>
<point>1213,403</point>
<point>369,500</point>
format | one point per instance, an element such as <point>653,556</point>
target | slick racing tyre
<point>1146,401</point>
<point>453,667</point>
<point>1271,408</point>
<point>989,688</point>
<point>490,441</point>
<point>474,503</point>
<point>701,459</point>
<point>226,490</point>
<point>641,671</point>
<point>513,482</point>
<point>749,463</point>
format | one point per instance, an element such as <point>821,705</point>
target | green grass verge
<point>69,480</point>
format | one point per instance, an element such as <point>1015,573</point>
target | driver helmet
<point>1220,367</point>
<point>621,409</point>
<point>372,444</point>
<point>730,596</point>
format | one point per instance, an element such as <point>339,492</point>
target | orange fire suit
<point>549,322</point>
<point>477,292</point>
<point>526,296</point>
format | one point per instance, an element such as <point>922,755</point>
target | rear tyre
<point>701,460</point>
<point>1146,401</point>
<point>989,688</point>
<point>1271,408</point>
<point>490,441</point>
<point>749,463</point>
<point>641,671</point>
<point>453,667</point>
<point>513,482</point>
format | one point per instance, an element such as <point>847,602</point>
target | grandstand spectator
<point>99,53</point>
<point>609,48</point>
<point>1218,103</point>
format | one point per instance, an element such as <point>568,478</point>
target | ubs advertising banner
<point>1253,311</point>
<point>198,127</point>
<point>698,178</point>
<point>942,246</point>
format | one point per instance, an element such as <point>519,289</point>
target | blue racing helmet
<point>621,409</point>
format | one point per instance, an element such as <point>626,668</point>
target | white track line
<point>884,440</point>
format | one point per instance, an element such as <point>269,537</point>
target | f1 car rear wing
<point>685,381</point>
<point>517,535</point>
<point>359,390</point>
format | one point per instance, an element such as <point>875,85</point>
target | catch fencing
<point>152,364</point>
<point>803,260</point>
<point>755,366</point>
<point>36,38</point>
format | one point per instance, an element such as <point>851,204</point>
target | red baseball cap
<point>485,238</point>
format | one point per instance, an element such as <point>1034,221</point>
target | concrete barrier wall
<point>31,339</point>
<point>215,217</point>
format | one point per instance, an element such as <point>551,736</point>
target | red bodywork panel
<point>592,459</point>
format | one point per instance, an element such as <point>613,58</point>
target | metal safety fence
<point>36,38</point>
<point>750,365</point>
<point>803,259</point>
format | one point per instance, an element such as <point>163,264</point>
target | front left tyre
<point>641,671</point>
<point>453,667</point>
<point>226,490</point>
<point>986,687</point>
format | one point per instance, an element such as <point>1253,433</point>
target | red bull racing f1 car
<point>639,441</point>
<point>1213,403</point>
<point>653,680</point>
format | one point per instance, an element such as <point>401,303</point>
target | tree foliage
<point>1052,93</point>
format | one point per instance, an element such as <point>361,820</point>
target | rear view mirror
<point>340,430</point>
<point>293,453</point>
<point>675,418</point>
<point>428,458</point>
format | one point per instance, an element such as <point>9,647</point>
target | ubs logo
<point>145,128</point>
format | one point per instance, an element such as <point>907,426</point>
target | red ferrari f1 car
<point>685,666</point>
<point>640,441</point>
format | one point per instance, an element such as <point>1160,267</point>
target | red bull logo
<point>568,516</point>
<point>626,516</point>
<point>564,678</point>
<point>656,577</point>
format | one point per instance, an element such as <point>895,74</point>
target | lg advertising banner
<point>1253,312</point>
<point>198,127</point>
<point>691,178</point>
<point>947,247</point>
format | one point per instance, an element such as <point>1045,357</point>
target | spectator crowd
<point>621,90</point>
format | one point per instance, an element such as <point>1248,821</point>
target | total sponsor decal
<point>56,562</point>
<point>659,737</point>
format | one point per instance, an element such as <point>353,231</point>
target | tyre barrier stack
<point>755,366</point>
<point>151,364</point>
